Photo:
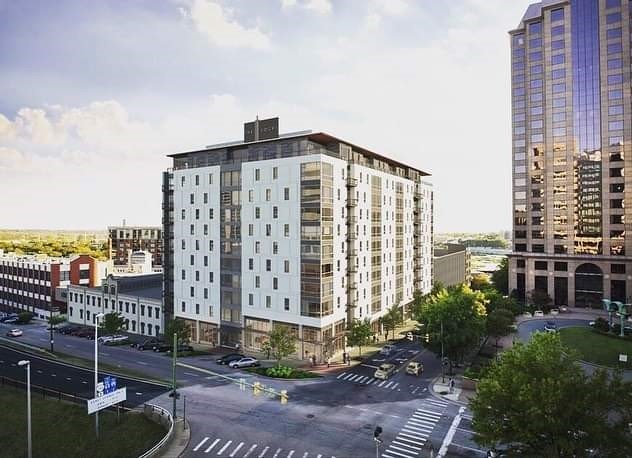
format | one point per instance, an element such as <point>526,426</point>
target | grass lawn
<point>66,430</point>
<point>597,348</point>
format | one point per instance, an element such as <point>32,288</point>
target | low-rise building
<point>30,282</point>
<point>451,264</point>
<point>138,299</point>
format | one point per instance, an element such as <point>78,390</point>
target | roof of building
<point>318,137</point>
<point>153,292</point>
<point>449,249</point>
<point>534,10</point>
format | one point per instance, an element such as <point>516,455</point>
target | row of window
<point>130,325</point>
<point>95,301</point>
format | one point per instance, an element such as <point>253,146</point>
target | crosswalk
<point>365,380</point>
<point>237,449</point>
<point>411,439</point>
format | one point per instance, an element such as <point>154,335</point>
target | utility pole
<point>175,357</point>
<point>442,360</point>
<point>50,325</point>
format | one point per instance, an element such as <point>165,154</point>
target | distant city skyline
<point>94,99</point>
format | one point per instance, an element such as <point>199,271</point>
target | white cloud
<point>7,128</point>
<point>221,29</point>
<point>373,20</point>
<point>389,7</point>
<point>319,6</point>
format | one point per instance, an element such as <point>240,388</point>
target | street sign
<point>109,384</point>
<point>623,358</point>
<point>100,388</point>
<point>107,400</point>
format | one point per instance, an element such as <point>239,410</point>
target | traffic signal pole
<point>175,357</point>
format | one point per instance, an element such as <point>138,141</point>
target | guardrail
<point>162,416</point>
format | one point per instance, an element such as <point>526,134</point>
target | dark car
<point>161,348</point>
<point>85,333</point>
<point>68,329</point>
<point>11,320</point>
<point>226,359</point>
<point>148,344</point>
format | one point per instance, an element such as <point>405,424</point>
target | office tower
<point>571,113</point>
<point>125,240</point>
<point>302,230</point>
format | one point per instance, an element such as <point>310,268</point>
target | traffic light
<point>427,337</point>
<point>283,396</point>
<point>256,387</point>
<point>376,434</point>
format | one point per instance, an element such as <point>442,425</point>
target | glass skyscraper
<point>571,133</point>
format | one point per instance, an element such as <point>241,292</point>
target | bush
<point>25,317</point>
<point>282,372</point>
<point>279,372</point>
<point>601,325</point>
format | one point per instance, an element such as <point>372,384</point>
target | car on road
<point>148,344</point>
<point>384,371</point>
<point>116,340</point>
<point>550,326</point>
<point>14,333</point>
<point>244,362</point>
<point>387,349</point>
<point>169,348</point>
<point>227,359</point>
<point>409,336</point>
<point>538,313</point>
<point>414,368</point>
<point>11,320</point>
<point>104,339</point>
<point>67,329</point>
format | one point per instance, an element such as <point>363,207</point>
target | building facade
<point>123,241</point>
<point>301,230</point>
<point>137,298</point>
<point>451,265</point>
<point>37,283</point>
<point>571,147</point>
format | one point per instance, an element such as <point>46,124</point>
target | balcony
<point>352,202</point>
<point>352,182</point>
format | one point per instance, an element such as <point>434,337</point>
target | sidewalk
<point>179,441</point>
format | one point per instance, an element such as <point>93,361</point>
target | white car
<point>555,311</point>
<point>104,339</point>
<point>387,349</point>
<point>409,336</point>
<point>14,333</point>
<point>527,314</point>
<point>244,362</point>
<point>384,371</point>
<point>538,313</point>
<point>116,340</point>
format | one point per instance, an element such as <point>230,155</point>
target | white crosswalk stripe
<point>264,452</point>
<point>388,384</point>
<point>383,382</point>
<point>241,444</point>
<point>406,438</point>
<point>371,380</point>
<point>254,446</point>
<point>305,455</point>
<point>289,455</point>
<point>197,447</point>
<point>362,379</point>
<point>406,445</point>
<point>277,453</point>
<point>414,421</point>
<point>411,436</point>
<point>224,447</point>
<point>426,416</point>
<point>210,447</point>
<point>344,373</point>
<point>430,412</point>
<point>394,386</point>
<point>398,453</point>
<point>419,432</point>
<point>403,450</point>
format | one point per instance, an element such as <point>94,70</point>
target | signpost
<point>107,400</point>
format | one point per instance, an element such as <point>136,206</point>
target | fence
<point>162,416</point>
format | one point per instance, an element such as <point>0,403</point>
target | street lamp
<point>27,363</point>
<point>96,367</point>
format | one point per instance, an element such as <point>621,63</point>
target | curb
<point>442,398</point>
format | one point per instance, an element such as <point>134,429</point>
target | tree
<point>282,343</point>
<point>500,277</point>
<point>461,313</point>
<point>177,326</point>
<point>499,323</point>
<point>391,319</point>
<point>112,322</point>
<point>55,320</point>
<point>480,282</point>
<point>359,334</point>
<point>540,300</point>
<point>537,401</point>
<point>495,300</point>
<point>25,317</point>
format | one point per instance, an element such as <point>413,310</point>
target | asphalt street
<point>71,379</point>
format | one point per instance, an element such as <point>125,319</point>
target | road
<point>71,379</point>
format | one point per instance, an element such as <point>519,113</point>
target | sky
<point>94,95</point>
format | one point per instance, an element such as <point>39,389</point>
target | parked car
<point>148,344</point>
<point>384,371</point>
<point>116,340</point>
<point>107,338</point>
<point>244,362</point>
<point>11,320</point>
<point>527,314</point>
<point>169,348</point>
<point>409,336</point>
<point>86,333</point>
<point>227,359</point>
<point>414,368</point>
<point>538,313</point>
<point>563,309</point>
<point>67,329</point>
<point>387,349</point>
<point>555,311</point>
<point>9,316</point>
<point>14,333</point>
<point>550,326</point>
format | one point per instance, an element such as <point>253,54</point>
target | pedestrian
<point>313,360</point>
<point>374,338</point>
<point>328,361</point>
<point>451,385</point>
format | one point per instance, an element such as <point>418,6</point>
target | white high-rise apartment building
<point>301,230</point>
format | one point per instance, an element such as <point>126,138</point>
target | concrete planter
<point>469,383</point>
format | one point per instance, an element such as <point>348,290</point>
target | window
<point>275,283</point>
<point>559,73</point>
<point>149,312</point>
<point>197,309</point>
<point>613,17</point>
<point>183,214</point>
<point>275,247</point>
<point>206,197</point>
<point>561,266</point>
<point>615,125</point>
<point>535,27</point>
<point>251,263</point>
<point>210,245</point>
<point>268,265</point>
<point>192,259</point>
<point>257,174</point>
<point>257,212</point>
<point>268,302</point>
<point>251,299</point>
<point>617,268</point>
<point>275,173</point>
<point>286,266</point>
<point>286,304</point>
<point>275,212</point>
<point>286,193</point>
<point>286,230</point>
<point>559,87</point>
<point>558,59</point>
<point>250,229</point>
<point>614,48</point>
<point>557,15</point>
<point>268,194</point>
<point>541,265</point>
<point>184,306</point>
<point>557,30</point>
<point>257,281</point>
<point>182,181</point>
<point>210,178</point>
<point>192,198</point>
<point>210,213</point>
<point>210,277</point>
<point>250,195</point>
<point>205,293</point>
<point>192,229</point>
<point>613,4</point>
<point>557,44</point>
<point>268,230</point>
<point>614,64</point>
<point>192,291</point>
<point>205,261</point>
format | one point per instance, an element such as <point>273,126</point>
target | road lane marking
<point>344,373</point>
<point>305,455</point>
<point>482,452</point>
<point>319,456</point>
<point>142,362</point>
<point>225,447</point>
<point>389,384</point>
<point>189,373</point>
<point>448,437</point>
<point>250,450</point>
<point>53,375</point>
<point>383,382</point>
<point>416,442</point>
<point>211,446</point>
<point>354,378</point>
<point>289,455</point>
<point>139,394</point>
<point>241,444</point>
<point>68,378</point>
<point>368,365</point>
<point>38,371</point>
<point>402,449</point>
<point>264,452</point>
<point>422,439</point>
<point>398,453</point>
<point>104,353</point>
<point>197,447</point>
<point>362,380</point>
<point>348,376</point>
<point>431,412</point>
<point>406,445</point>
<point>394,386</point>
<point>277,453</point>
<point>84,382</point>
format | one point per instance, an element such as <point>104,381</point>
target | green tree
<point>56,319</point>
<point>112,322</point>
<point>177,326</point>
<point>537,401</point>
<point>499,323</point>
<point>500,277</point>
<point>540,300</point>
<point>282,343</point>
<point>25,317</point>
<point>391,319</point>
<point>359,334</point>
<point>480,282</point>
<point>495,300</point>
<point>462,312</point>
